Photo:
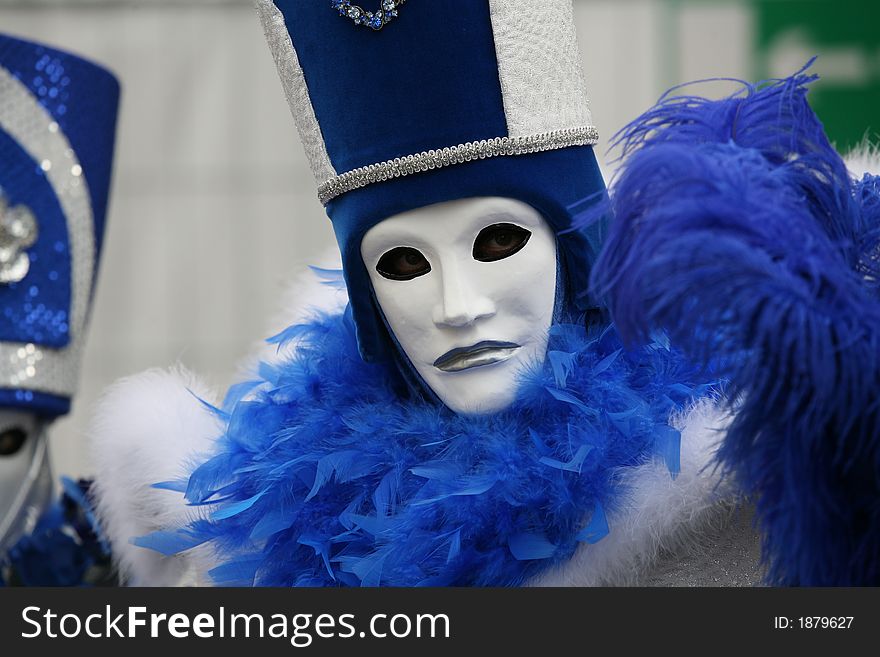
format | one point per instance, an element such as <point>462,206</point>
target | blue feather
<point>738,232</point>
<point>669,448</point>
<point>270,524</point>
<point>169,542</point>
<point>525,547</point>
<point>597,528</point>
<point>573,464</point>
<point>437,470</point>
<point>238,392</point>
<point>230,510</point>
<point>562,363</point>
<point>569,398</point>
<point>236,573</point>
<point>331,277</point>
<point>178,486</point>
<point>321,548</point>
<point>454,546</point>
<point>345,465</point>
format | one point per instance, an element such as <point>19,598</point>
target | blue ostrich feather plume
<point>738,231</point>
<point>326,476</point>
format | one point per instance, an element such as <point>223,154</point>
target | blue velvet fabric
<point>82,98</point>
<point>428,80</point>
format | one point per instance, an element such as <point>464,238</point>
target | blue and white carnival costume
<point>57,132</point>
<point>642,479</point>
<point>334,465</point>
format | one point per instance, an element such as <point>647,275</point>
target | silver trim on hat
<point>444,157</point>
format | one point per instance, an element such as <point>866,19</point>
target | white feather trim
<point>865,159</point>
<point>660,513</point>
<point>304,297</point>
<point>149,428</point>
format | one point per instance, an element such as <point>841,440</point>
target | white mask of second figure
<point>19,442</point>
<point>468,288</point>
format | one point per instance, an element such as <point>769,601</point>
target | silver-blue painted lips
<point>487,352</point>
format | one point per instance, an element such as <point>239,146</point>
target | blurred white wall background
<point>213,206</point>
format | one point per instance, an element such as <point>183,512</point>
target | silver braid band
<point>444,157</point>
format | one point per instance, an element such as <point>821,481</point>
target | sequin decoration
<point>18,232</point>
<point>31,367</point>
<point>372,19</point>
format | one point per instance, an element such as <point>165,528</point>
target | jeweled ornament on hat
<point>373,19</point>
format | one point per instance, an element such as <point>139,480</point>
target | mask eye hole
<point>403,264</point>
<point>11,441</point>
<point>499,241</point>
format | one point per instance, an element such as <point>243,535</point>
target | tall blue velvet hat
<point>416,102</point>
<point>57,129</point>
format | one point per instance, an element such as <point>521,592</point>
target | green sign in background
<point>846,36</point>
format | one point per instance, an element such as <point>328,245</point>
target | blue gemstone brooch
<point>372,19</point>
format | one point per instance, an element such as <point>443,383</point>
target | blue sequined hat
<point>405,104</point>
<point>57,129</point>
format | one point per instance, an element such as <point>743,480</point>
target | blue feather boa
<point>739,232</point>
<point>326,475</point>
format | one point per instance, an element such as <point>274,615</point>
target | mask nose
<point>460,304</point>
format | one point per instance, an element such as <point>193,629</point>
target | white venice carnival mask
<point>20,435</point>
<point>469,288</point>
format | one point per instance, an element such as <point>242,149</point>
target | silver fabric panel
<point>539,66</point>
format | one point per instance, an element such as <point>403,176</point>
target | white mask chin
<point>20,434</point>
<point>468,287</point>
